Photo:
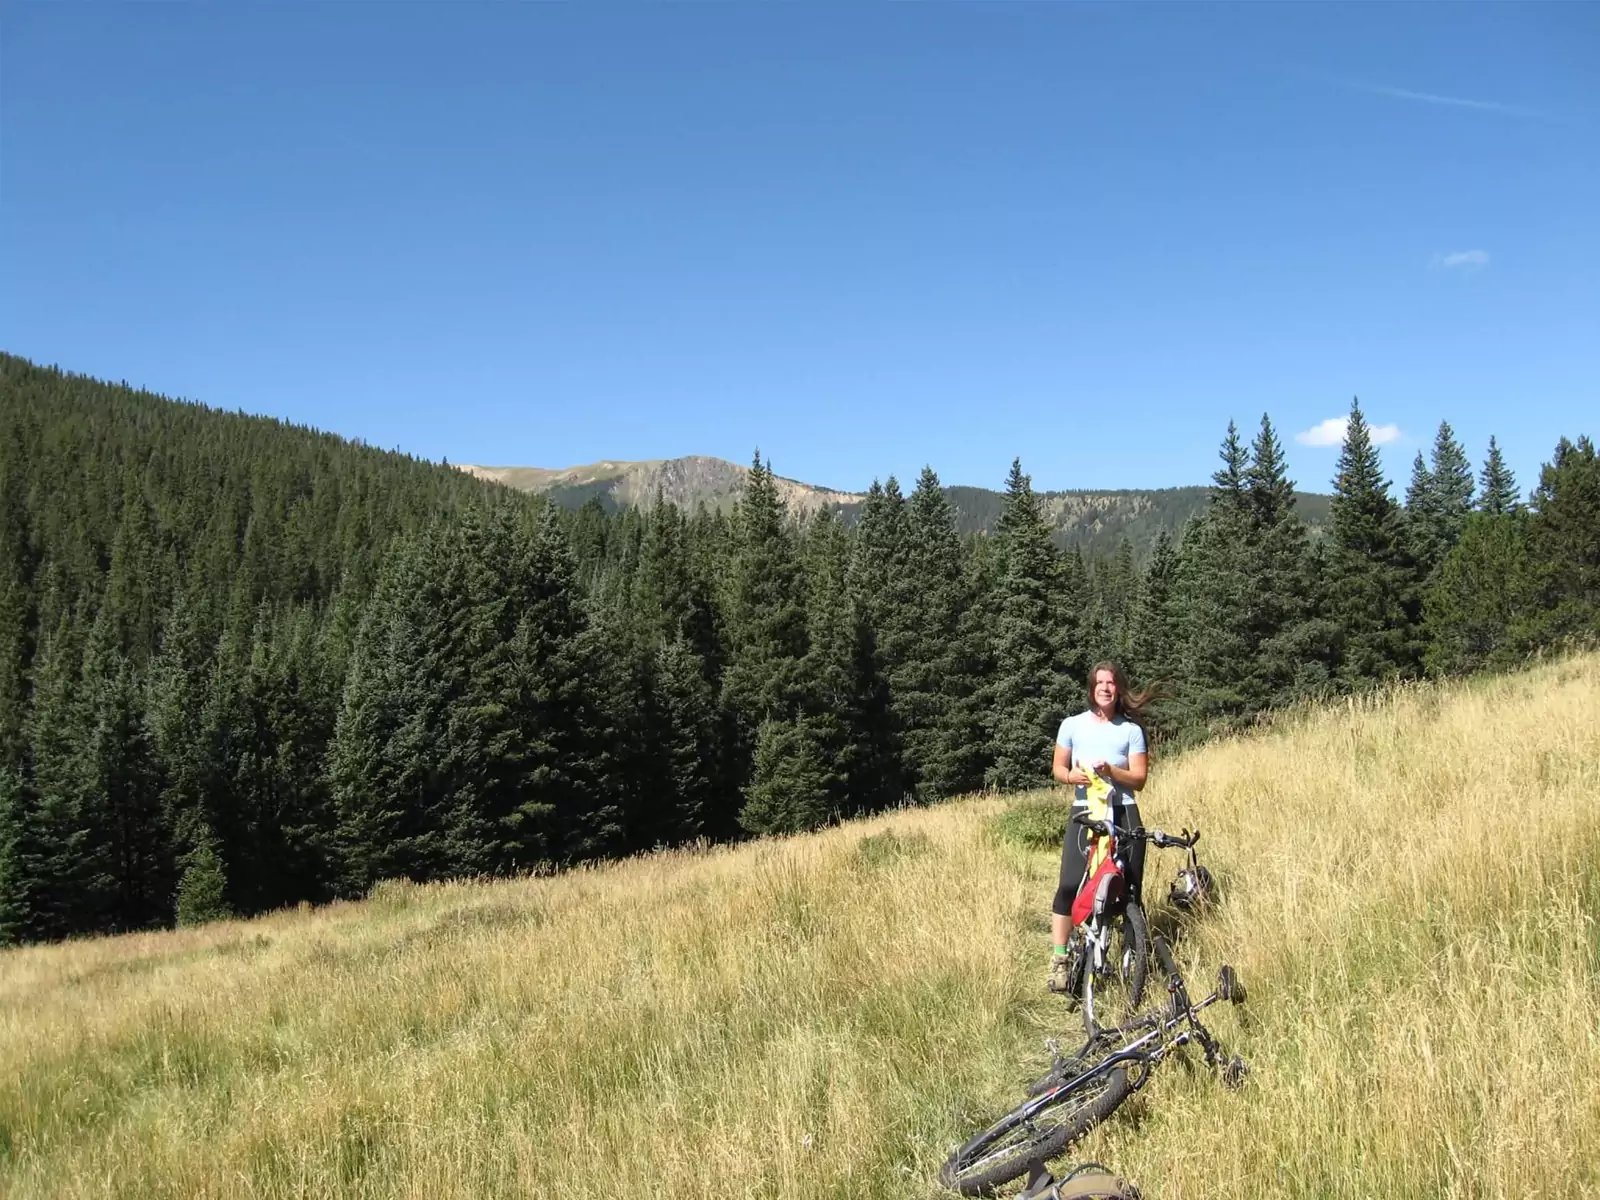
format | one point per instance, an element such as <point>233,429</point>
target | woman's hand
<point>1077,776</point>
<point>1102,769</point>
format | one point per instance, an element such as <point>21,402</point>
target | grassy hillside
<point>1412,893</point>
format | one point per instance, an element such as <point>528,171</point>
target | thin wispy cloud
<point>1380,89</point>
<point>1331,433</point>
<point>1461,260</point>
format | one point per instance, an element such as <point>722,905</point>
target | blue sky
<point>862,237</point>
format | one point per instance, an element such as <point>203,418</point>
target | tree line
<point>244,664</point>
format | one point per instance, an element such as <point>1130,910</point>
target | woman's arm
<point>1062,769</point>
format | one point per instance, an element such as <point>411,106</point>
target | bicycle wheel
<point>1034,1133</point>
<point>1112,994</point>
<point>1066,1066</point>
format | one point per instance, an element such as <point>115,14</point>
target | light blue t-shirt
<point>1092,740</point>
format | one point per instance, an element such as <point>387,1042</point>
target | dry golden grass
<point>1412,888</point>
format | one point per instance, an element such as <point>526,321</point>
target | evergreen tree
<point>1497,493</point>
<point>617,742</point>
<point>1285,658</point>
<point>1077,631</point>
<point>1373,595</point>
<point>17,618</point>
<point>233,770</point>
<point>1477,595</point>
<point>1438,501</point>
<point>561,742</point>
<point>177,690</point>
<point>1564,549</point>
<point>390,732</point>
<point>134,589</point>
<point>53,870</point>
<point>842,713</point>
<point>1028,694</point>
<point>18,867</point>
<point>16,621</point>
<point>1420,517</point>
<point>845,681</point>
<point>1159,634</point>
<point>202,892</point>
<point>671,601</point>
<point>1452,485</point>
<point>687,741</point>
<point>766,611</point>
<point>888,596</point>
<point>288,709</point>
<point>938,688</point>
<point>1217,599</point>
<point>1228,481</point>
<point>1115,590</point>
<point>127,855</point>
<point>793,784</point>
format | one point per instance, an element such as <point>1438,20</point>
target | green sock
<point>1061,951</point>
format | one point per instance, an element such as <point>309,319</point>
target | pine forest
<point>246,665</point>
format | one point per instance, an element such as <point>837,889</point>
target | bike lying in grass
<point>1081,1091</point>
<point>1108,955</point>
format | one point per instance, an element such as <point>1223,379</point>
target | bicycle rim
<point>1007,1148</point>
<point>1112,993</point>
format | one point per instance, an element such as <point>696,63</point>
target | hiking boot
<point>1060,977</point>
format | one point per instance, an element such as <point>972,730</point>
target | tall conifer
<point>1497,492</point>
<point>766,610</point>
<point>1028,696</point>
<point>938,691</point>
<point>1373,592</point>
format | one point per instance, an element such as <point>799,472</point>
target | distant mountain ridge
<point>685,482</point>
<point>1093,520</point>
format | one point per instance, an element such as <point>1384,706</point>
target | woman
<point>1105,739</point>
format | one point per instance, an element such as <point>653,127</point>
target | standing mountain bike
<point>1081,1091</point>
<point>1108,952</point>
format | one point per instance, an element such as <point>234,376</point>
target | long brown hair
<point>1130,704</point>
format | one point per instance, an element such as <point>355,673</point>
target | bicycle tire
<point>1065,1066</point>
<point>1130,944</point>
<point>1077,959</point>
<point>1012,1144</point>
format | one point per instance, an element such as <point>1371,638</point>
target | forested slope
<point>244,664</point>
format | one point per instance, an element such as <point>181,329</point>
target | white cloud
<point>1331,433</point>
<point>1462,260</point>
<point>1379,89</point>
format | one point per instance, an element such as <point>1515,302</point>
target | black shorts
<point>1075,857</point>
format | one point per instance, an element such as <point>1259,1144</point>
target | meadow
<point>1410,889</point>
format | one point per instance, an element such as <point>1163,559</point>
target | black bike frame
<point>1135,1052</point>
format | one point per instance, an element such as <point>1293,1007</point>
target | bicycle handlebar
<point>1174,841</point>
<point>1103,828</point>
<point>1162,839</point>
